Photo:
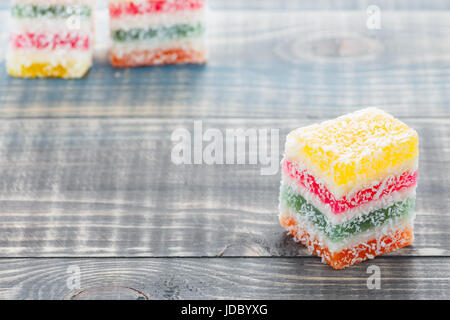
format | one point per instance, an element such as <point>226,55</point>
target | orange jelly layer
<point>158,57</point>
<point>353,255</point>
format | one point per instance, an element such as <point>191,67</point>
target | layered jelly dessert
<point>157,32</point>
<point>51,38</point>
<point>349,185</point>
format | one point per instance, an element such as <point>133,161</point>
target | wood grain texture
<point>108,188</point>
<point>263,64</point>
<point>224,278</point>
<point>87,179</point>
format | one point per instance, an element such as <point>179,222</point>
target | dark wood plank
<point>98,180</point>
<point>108,188</point>
<point>223,278</point>
<point>287,63</point>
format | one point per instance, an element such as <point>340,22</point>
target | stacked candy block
<point>51,38</point>
<point>155,32</point>
<point>348,186</point>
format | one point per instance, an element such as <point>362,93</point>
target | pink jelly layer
<point>405,180</point>
<point>50,41</point>
<point>151,6</point>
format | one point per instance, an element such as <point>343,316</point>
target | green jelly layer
<point>172,32</point>
<point>50,11</point>
<point>345,230</point>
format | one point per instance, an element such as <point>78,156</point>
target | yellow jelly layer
<point>366,145</point>
<point>70,69</point>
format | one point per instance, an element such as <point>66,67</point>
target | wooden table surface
<point>87,180</point>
